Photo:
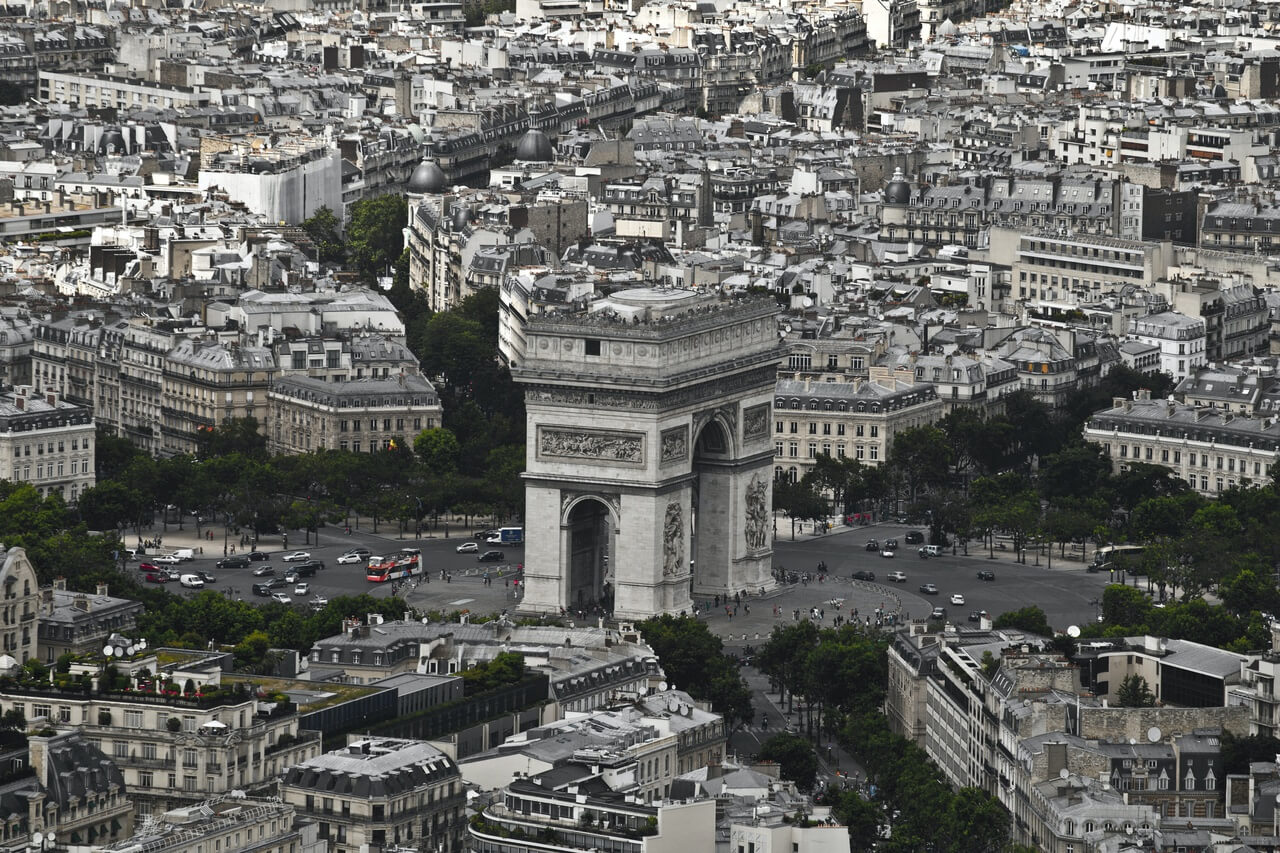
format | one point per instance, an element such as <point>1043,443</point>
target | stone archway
<point>588,529</point>
<point>656,429</point>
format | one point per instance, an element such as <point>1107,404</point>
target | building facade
<point>360,415</point>
<point>380,792</point>
<point>47,442</point>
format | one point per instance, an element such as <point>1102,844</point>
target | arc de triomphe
<point>649,470</point>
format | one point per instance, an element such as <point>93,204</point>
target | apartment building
<point>206,382</point>
<point>80,623</point>
<point>224,823</point>
<point>89,90</point>
<point>359,415</point>
<point>1070,270</point>
<point>75,795</point>
<point>1180,339</point>
<point>18,605</point>
<point>47,442</point>
<point>1047,369</point>
<point>1211,449</point>
<point>1235,314</point>
<point>175,746</point>
<point>577,809</point>
<point>377,793</point>
<point>857,419</point>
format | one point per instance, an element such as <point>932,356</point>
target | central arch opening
<point>590,544</point>
<point>710,522</point>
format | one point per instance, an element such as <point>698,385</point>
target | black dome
<point>428,178</point>
<point>535,147</point>
<point>898,191</point>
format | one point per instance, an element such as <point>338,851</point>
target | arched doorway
<point>712,503</point>
<point>589,543</point>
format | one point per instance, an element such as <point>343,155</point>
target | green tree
<point>1030,619</point>
<point>325,231</point>
<point>1122,605</point>
<point>1135,693</point>
<point>694,661</point>
<point>438,449</point>
<point>375,234</point>
<point>922,457</point>
<point>110,503</point>
<point>1238,752</point>
<point>795,757</point>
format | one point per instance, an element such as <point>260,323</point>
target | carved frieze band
<point>591,445</point>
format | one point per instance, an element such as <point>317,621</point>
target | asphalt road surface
<point>1065,592</point>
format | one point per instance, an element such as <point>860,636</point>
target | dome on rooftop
<point>947,28</point>
<point>535,147</point>
<point>428,178</point>
<point>897,191</point>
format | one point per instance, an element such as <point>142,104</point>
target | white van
<point>192,581</point>
<point>185,554</point>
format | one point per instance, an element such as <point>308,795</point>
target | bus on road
<point>1110,558</point>
<point>394,567</point>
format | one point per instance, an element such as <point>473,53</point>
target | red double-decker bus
<point>394,567</point>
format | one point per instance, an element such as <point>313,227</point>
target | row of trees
<point>838,677</point>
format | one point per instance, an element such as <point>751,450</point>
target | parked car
<point>887,552</point>
<point>864,576</point>
<point>491,557</point>
<point>281,598</point>
<point>237,562</point>
<point>167,559</point>
<point>929,588</point>
<point>157,578</point>
<point>986,575</point>
<point>957,599</point>
<point>258,557</point>
<point>260,571</point>
<point>148,567</point>
<point>302,589</point>
<point>873,545</point>
<point>897,577</point>
<point>206,577</point>
<point>468,548</point>
<point>296,557</point>
<point>351,557</point>
<point>914,537</point>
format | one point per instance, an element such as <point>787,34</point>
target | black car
<point>976,615</point>
<point>484,534</point>
<point>491,557</point>
<point>306,570</point>
<point>914,537</point>
<point>986,575</point>
<point>864,576</point>
<point>257,557</point>
<point>873,545</point>
<point>310,564</point>
<point>206,577</point>
<point>234,563</point>
<point>891,544</point>
<point>938,613</point>
<point>266,587</point>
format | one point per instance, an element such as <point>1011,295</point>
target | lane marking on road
<point>460,602</point>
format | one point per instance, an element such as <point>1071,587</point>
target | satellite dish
<point>38,838</point>
<point>807,302</point>
<point>1154,734</point>
<point>1133,742</point>
<point>108,651</point>
<point>1064,773</point>
<point>1073,631</point>
<point>662,685</point>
